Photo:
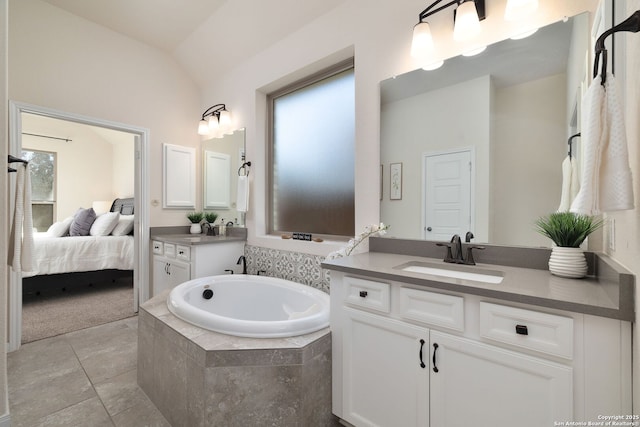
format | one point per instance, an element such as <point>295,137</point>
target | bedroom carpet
<point>71,304</point>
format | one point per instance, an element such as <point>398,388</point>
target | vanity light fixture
<point>467,17</point>
<point>214,119</point>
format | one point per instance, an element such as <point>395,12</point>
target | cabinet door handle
<point>363,294</point>
<point>435,348</point>
<point>522,330</point>
<point>422,365</point>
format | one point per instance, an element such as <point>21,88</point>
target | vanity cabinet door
<point>167,273</point>
<point>384,383</point>
<point>479,384</point>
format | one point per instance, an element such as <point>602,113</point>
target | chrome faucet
<point>242,260</point>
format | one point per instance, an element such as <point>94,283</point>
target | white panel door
<point>482,385</point>
<point>447,195</point>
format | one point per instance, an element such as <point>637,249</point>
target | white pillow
<point>60,228</point>
<point>124,226</point>
<point>104,224</point>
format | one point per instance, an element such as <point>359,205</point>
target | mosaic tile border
<point>295,266</point>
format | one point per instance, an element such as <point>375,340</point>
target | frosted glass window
<point>312,154</point>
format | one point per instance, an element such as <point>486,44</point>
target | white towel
<point>606,183</point>
<point>570,183</point>
<point>21,238</point>
<point>242,196</point>
<point>565,196</point>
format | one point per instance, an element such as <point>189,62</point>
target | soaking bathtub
<point>250,306</point>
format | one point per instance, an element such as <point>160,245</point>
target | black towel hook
<point>12,159</point>
<point>571,138</point>
<point>631,24</point>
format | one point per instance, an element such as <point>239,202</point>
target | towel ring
<point>245,166</point>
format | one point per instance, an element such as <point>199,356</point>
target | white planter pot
<point>568,262</point>
<point>195,229</point>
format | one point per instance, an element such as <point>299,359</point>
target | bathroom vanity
<point>414,345</point>
<point>181,257</point>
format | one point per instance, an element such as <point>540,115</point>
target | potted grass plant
<point>195,218</point>
<point>568,231</point>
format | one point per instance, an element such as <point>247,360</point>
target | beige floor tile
<point>143,414</point>
<point>120,393</point>
<point>89,413</point>
<point>85,378</point>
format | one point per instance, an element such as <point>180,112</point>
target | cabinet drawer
<point>543,332</point>
<point>432,308</point>
<point>156,247</point>
<point>367,293</point>
<point>183,252</point>
<point>170,250</point>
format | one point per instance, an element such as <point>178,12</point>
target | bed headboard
<point>124,206</point>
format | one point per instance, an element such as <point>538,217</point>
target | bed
<point>105,244</point>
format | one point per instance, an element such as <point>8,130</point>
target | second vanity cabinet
<point>412,356</point>
<point>175,263</point>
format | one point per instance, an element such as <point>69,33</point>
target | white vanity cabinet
<point>405,355</point>
<point>475,381</point>
<point>175,263</point>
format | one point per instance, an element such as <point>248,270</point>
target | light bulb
<point>422,43</point>
<point>432,65</point>
<point>467,24</point>
<point>203,127</point>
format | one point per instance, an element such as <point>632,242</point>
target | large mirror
<point>222,158</point>
<point>478,144</point>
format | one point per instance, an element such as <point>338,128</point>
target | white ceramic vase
<point>568,262</point>
<point>195,229</point>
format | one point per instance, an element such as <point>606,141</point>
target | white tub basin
<point>455,272</point>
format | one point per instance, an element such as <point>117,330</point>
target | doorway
<point>447,199</point>
<point>141,190</point>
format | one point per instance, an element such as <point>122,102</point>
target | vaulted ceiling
<point>205,36</point>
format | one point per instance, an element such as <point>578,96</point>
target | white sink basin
<point>480,275</point>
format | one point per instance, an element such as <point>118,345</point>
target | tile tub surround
<point>201,378</point>
<point>294,266</point>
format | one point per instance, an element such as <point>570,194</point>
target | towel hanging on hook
<point>12,159</point>
<point>631,24</point>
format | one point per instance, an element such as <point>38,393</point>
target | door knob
<point>429,228</point>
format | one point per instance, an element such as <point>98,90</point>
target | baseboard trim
<point>5,420</point>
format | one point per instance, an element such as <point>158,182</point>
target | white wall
<point>4,217</point>
<point>84,171</point>
<point>526,166</point>
<point>458,116</point>
<point>63,62</point>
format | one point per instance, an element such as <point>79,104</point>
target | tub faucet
<point>242,260</point>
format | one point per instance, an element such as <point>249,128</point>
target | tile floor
<point>83,378</point>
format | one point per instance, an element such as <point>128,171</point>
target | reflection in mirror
<point>222,159</point>
<point>482,139</point>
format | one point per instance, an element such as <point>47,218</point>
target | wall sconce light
<point>215,120</point>
<point>467,17</point>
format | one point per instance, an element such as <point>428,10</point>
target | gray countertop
<point>609,294</point>
<point>195,239</point>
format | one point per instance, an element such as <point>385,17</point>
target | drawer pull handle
<point>522,330</point>
<point>363,294</point>
<point>435,348</point>
<point>422,365</point>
